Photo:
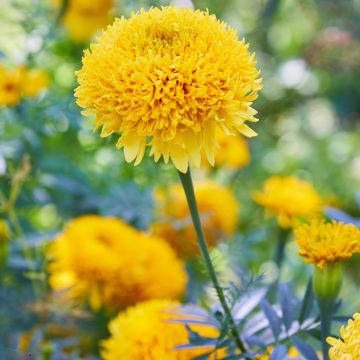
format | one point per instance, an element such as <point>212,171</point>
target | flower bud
<point>327,281</point>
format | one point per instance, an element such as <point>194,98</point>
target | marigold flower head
<point>83,18</point>
<point>167,78</point>
<point>218,210</point>
<point>113,264</point>
<point>321,243</point>
<point>347,348</point>
<point>10,86</point>
<point>233,151</point>
<point>34,82</point>
<point>145,331</point>
<point>289,198</point>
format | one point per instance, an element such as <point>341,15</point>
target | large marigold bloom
<point>218,210</point>
<point>145,331</point>
<point>110,263</point>
<point>289,198</point>
<point>322,243</point>
<point>167,78</point>
<point>10,86</point>
<point>83,18</point>
<point>347,348</point>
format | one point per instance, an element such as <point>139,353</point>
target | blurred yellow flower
<point>218,210</point>
<point>290,199</point>
<point>144,332</point>
<point>322,243</point>
<point>10,86</point>
<point>34,81</point>
<point>233,151</point>
<point>83,18</point>
<point>107,262</point>
<point>349,347</point>
<point>169,87</point>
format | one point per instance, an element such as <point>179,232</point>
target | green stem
<point>190,196</point>
<point>326,308</point>
<point>280,248</point>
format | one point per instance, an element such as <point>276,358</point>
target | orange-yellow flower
<point>321,243</point>
<point>34,82</point>
<point>167,79</point>
<point>290,199</point>
<point>109,263</point>
<point>347,348</point>
<point>218,210</point>
<point>232,152</point>
<point>10,86</point>
<point>144,332</point>
<point>83,18</point>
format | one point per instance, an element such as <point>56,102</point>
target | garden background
<point>54,168</point>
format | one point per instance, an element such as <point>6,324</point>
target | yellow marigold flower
<point>34,81</point>
<point>322,243</point>
<point>233,151</point>
<point>349,347</point>
<point>83,18</point>
<point>145,332</point>
<point>113,264</point>
<point>167,78</point>
<point>218,210</point>
<point>289,198</point>
<point>10,86</point>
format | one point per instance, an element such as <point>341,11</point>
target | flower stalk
<point>187,184</point>
<point>326,285</point>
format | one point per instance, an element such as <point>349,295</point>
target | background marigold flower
<point>167,78</point>
<point>233,151</point>
<point>10,86</point>
<point>218,210</point>
<point>347,348</point>
<point>321,243</point>
<point>33,82</point>
<point>145,332</point>
<point>113,264</point>
<point>289,198</point>
<point>83,18</point>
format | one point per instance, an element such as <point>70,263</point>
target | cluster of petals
<point>290,199</point>
<point>347,348</point>
<point>146,331</point>
<point>162,82</point>
<point>108,263</point>
<point>321,243</point>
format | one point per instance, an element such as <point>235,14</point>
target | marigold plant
<point>112,264</point>
<point>170,86</point>
<point>289,198</point>
<point>218,210</point>
<point>145,331</point>
<point>347,348</point>
<point>322,243</point>
<point>10,86</point>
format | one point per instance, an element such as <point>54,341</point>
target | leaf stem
<point>190,196</point>
<point>326,308</point>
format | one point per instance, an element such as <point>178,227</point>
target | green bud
<point>327,281</point>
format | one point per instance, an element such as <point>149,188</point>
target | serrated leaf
<point>304,349</point>
<point>287,303</point>
<point>272,317</point>
<point>279,353</point>
<point>307,302</point>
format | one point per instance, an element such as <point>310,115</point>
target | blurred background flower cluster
<point>71,208</point>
